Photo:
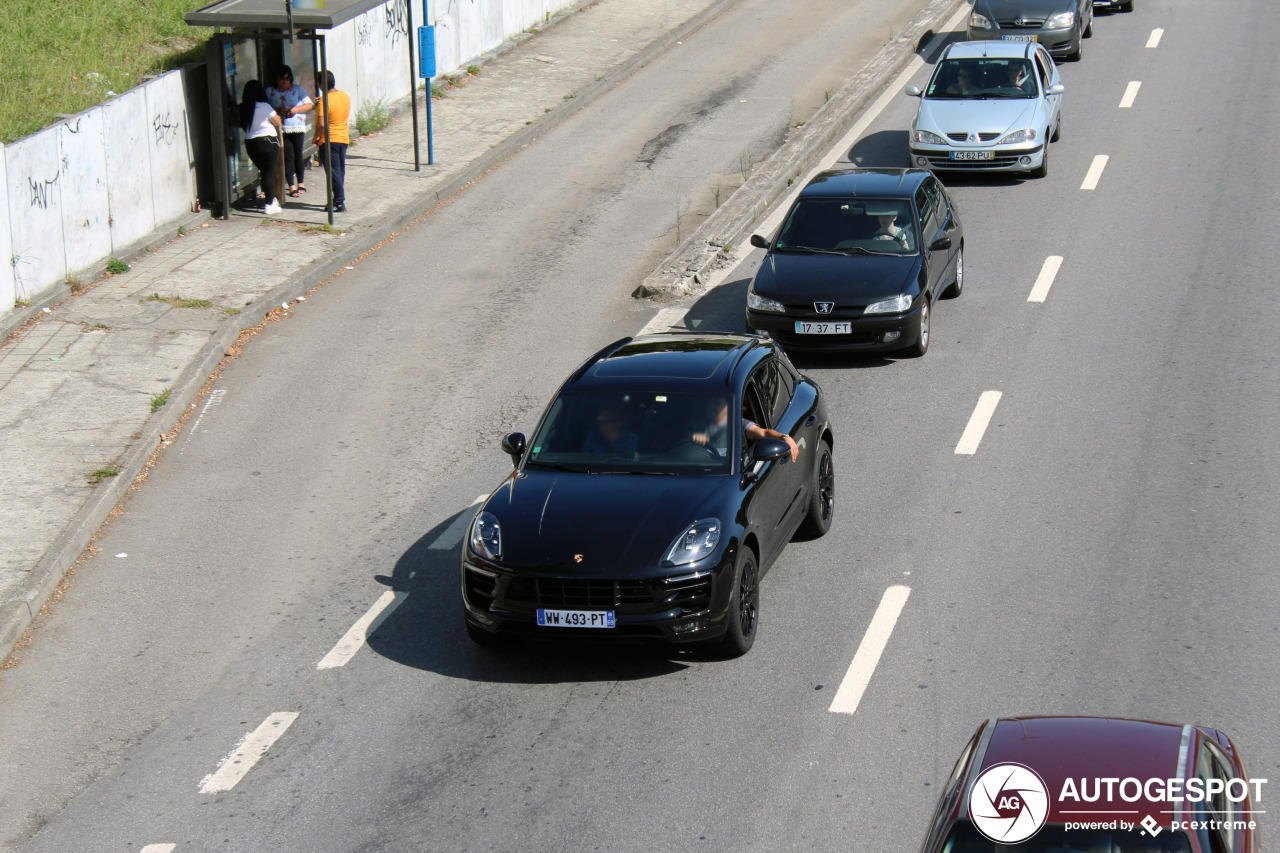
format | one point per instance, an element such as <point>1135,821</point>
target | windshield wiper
<point>556,466</point>
<point>812,249</point>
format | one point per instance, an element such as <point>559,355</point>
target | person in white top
<point>259,121</point>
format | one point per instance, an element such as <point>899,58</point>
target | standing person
<point>259,121</point>
<point>292,102</point>
<point>333,137</point>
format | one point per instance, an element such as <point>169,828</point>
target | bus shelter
<point>251,39</point>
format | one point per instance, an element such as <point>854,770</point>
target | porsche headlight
<point>1027,135</point>
<point>761,303</point>
<point>486,536</point>
<point>927,138</point>
<point>694,544</point>
<point>980,22</point>
<point>896,305</point>
<point>1060,21</point>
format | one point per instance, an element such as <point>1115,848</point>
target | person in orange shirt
<point>333,137</point>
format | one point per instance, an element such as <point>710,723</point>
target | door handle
<point>811,420</point>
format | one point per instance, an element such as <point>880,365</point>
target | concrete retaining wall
<point>95,185</point>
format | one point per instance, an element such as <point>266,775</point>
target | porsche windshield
<point>982,79</point>
<point>636,433</point>
<point>849,226</point>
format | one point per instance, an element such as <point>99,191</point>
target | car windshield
<point>849,227</point>
<point>652,432</point>
<point>983,78</point>
<point>964,838</point>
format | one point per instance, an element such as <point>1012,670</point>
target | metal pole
<point>431,154</point>
<point>326,154</point>
<point>288,11</point>
<point>413,83</point>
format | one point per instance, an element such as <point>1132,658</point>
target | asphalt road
<point>1109,548</point>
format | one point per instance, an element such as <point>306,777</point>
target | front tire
<point>957,286</point>
<point>822,497</point>
<point>921,346</point>
<point>1042,171</point>
<point>744,605</point>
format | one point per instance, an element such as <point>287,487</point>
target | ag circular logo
<point>1009,803</point>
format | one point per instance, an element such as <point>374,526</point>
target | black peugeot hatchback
<point>641,508</point>
<point>858,263</point>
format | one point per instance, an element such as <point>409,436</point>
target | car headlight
<point>757,302</point>
<point>896,305</point>
<point>980,22</point>
<point>1027,135</point>
<point>694,544</point>
<point>1060,21</point>
<point>486,536</point>
<point>927,138</point>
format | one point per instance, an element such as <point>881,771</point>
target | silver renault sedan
<point>990,106</point>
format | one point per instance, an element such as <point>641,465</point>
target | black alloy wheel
<point>822,497</point>
<point>957,284</point>
<point>744,605</point>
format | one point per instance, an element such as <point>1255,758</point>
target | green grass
<point>115,266</point>
<point>103,474</point>
<point>372,117</point>
<point>67,56</point>
<point>179,302</point>
<point>159,400</point>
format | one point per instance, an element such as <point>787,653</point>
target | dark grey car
<point>1060,25</point>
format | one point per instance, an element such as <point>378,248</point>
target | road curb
<point>17,614</point>
<point>711,246</point>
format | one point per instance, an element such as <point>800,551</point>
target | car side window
<point>773,394</point>
<point>1044,72</point>
<point>939,199</point>
<point>924,204</point>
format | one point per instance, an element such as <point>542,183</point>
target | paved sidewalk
<point>91,386</point>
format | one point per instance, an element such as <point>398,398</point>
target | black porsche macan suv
<point>640,509</point>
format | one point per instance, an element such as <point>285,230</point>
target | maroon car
<point>1096,785</point>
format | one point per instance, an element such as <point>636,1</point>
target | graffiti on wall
<point>165,128</point>
<point>397,21</point>
<point>364,31</point>
<point>40,191</point>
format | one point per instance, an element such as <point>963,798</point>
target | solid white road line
<point>978,421</point>
<point>452,534</point>
<point>1154,40</point>
<point>1044,281</point>
<point>1094,174</point>
<point>872,646</point>
<point>665,320</point>
<point>159,848</point>
<point>1130,93</point>
<point>246,754</point>
<point>351,641</point>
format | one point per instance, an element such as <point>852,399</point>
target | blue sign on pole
<point>427,52</point>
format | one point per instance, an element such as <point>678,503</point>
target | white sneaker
<point>272,207</point>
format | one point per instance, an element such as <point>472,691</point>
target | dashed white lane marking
<point>1044,281</point>
<point>215,397</point>
<point>872,646</point>
<point>1130,94</point>
<point>978,421</point>
<point>665,320</point>
<point>452,534</point>
<point>354,639</point>
<point>159,848</point>
<point>1094,174</point>
<point>1154,40</point>
<point>246,754</point>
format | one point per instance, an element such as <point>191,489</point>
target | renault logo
<point>823,307</point>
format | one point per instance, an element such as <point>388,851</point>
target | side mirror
<point>913,91</point>
<point>514,445</point>
<point>771,450</point>
<point>940,244</point>
<point>1056,89</point>
<point>759,242</point>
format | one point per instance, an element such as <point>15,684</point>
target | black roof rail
<point>577,374</point>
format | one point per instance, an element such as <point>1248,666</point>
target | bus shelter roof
<point>271,14</point>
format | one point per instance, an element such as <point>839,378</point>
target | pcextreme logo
<point>1009,803</point>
